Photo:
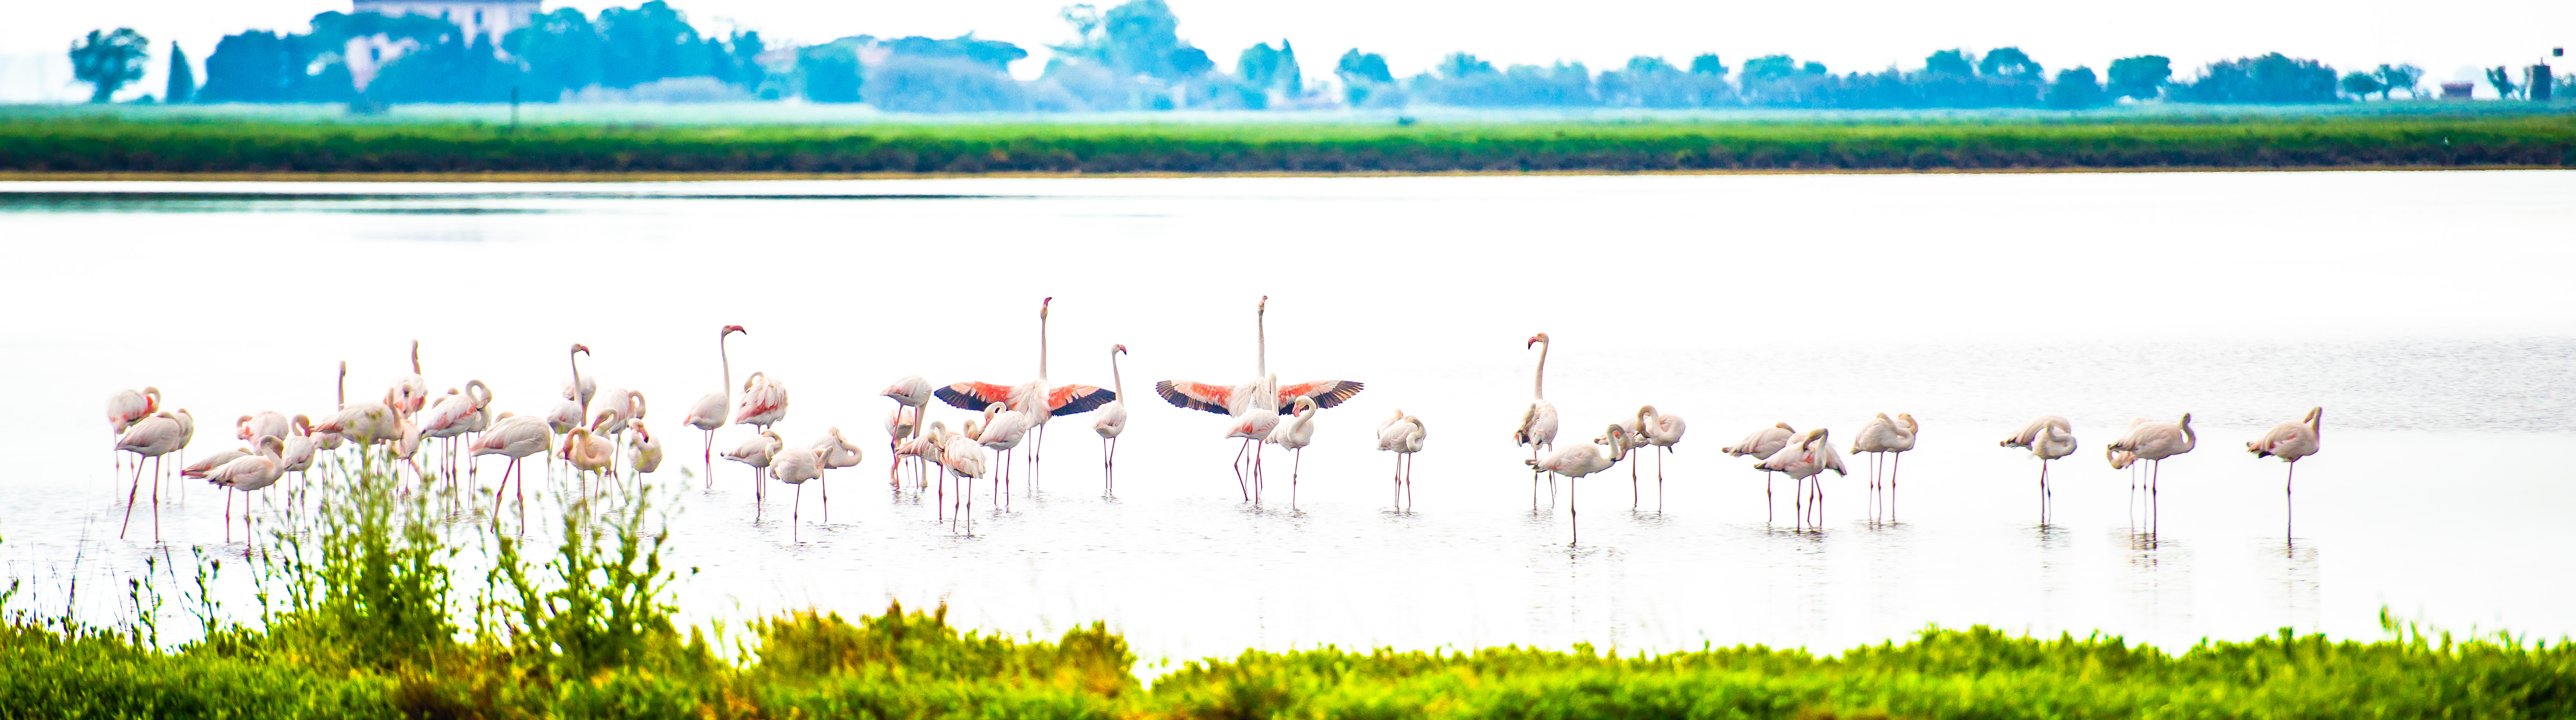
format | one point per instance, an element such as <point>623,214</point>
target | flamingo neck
<point>1042,346</point>
<point>723,355</point>
<point>1261,343</point>
<point>1538,385</point>
<point>1118,380</point>
<point>342,386</point>
<point>576,383</point>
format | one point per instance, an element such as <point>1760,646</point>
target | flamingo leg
<point>156,494</point>
<point>131,493</point>
<point>1572,518</point>
<point>1294,467</point>
<point>793,525</point>
<point>1659,478</point>
<point>1238,470</point>
<point>2289,506</point>
<point>709,460</point>
<point>1766,497</point>
<point>1898,463</point>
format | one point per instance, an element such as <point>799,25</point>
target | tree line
<point>1129,57</point>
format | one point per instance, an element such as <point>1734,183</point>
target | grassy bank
<point>102,144</point>
<point>361,616</point>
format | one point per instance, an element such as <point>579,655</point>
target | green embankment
<point>67,143</point>
<point>363,618</point>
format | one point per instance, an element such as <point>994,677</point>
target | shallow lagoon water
<point>2426,311</point>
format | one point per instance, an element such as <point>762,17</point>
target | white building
<point>482,21</point>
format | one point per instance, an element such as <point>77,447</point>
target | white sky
<point>2442,37</point>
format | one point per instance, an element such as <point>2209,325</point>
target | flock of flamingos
<point>604,433</point>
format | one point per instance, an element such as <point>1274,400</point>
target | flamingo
<point>1762,444</point>
<point>248,473</point>
<point>794,466</point>
<point>709,413</point>
<point>588,452</point>
<point>410,392</point>
<point>2154,441</point>
<point>836,452</point>
<point>1295,434</point>
<point>965,459</point>
<point>151,437</point>
<point>1631,436</point>
<point>2291,441</point>
<point>266,422</point>
<point>901,424</point>
<point>1401,435</point>
<point>1034,399</point>
<point>1538,423</point>
<point>644,452</point>
<point>615,407</point>
<point>1810,458</point>
<point>2051,443</point>
<point>1882,437</point>
<point>1003,430</point>
<point>340,393</point>
<point>207,464</point>
<point>367,423</point>
<point>756,452</point>
<point>1574,463</point>
<point>1262,393</point>
<point>456,414</point>
<point>517,437</point>
<point>575,408</point>
<point>2031,430</point>
<point>1253,425</point>
<point>763,403</point>
<point>124,409</point>
<point>1113,420</point>
<point>1662,431</point>
<point>911,396</point>
<point>299,450</point>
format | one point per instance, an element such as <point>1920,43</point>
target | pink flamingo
<point>1262,394</point>
<point>709,413</point>
<point>152,437</point>
<point>1112,421</point>
<point>1762,444</point>
<point>1574,463</point>
<point>1035,399</point>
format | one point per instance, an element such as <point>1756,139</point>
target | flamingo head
<point>1262,308</point>
<point>637,425</point>
<point>241,427</point>
<point>580,348</point>
<point>1784,426</point>
<point>1305,405</point>
<point>303,424</point>
<point>1118,349</point>
<point>992,410</point>
<point>1042,307</point>
<point>729,330</point>
<point>1911,425</point>
<point>1644,413</point>
<point>1534,340</point>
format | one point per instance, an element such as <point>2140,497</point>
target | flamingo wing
<point>1327,393</point>
<point>1189,395</point>
<point>1074,399</point>
<point>973,395</point>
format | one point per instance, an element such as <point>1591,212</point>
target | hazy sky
<point>2442,37</point>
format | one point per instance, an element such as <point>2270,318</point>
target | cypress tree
<point>183,79</point>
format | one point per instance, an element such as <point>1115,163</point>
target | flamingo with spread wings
<point>1035,399</point>
<point>1263,393</point>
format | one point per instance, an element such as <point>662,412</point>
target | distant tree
<point>2271,78</point>
<point>1769,67</point>
<point>109,60</point>
<point>183,78</point>
<point>941,84</point>
<point>1461,65</point>
<point>563,50</point>
<point>1950,62</point>
<point>1361,75</point>
<point>2497,77</point>
<point>2009,62</point>
<point>1369,67</point>
<point>2142,77</point>
<point>994,55</point>
<point>254,66</point>
<point>2400,77</point>
<point>2076,88</point>
<point>1707,64</point>
<point>2362,84</point>
<point>1143,39</point>
<point>1813,68</point>
<point>830,72</point>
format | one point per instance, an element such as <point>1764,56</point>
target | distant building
<point>2458,91</point>
<point>482,21</point>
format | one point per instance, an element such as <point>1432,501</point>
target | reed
<point>78,144</point>
<point>369,623</point>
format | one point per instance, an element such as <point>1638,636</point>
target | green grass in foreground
<point>369,624</point>
<point>107,143</point>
